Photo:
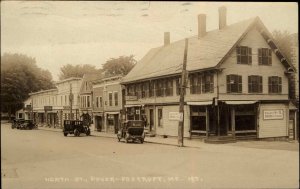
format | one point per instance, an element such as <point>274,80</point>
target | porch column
<point>233,121</point>
<point>207,121</point>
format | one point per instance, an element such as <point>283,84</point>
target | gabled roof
<point>206,52</point>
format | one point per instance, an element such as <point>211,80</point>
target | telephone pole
<point>182,93</point>
<point>71,101</point>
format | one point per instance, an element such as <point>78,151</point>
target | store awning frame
<point>200,103</point>
<point>240,102</point>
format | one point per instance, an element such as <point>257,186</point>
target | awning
<point>240,102</point>
<point>132,105</point>
<point>200,103</point>
<point>112,112</point>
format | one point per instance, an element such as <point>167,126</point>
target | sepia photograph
<point>149,94</point>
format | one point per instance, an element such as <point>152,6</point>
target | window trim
<point>278,85</point>
<point>261,57</point>
<point>240,56</point>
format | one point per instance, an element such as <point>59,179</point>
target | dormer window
<point>244,55</point>
<point>264,56</point>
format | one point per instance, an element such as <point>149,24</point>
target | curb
<point>151,142</point>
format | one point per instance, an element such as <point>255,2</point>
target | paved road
<point>44,159</point>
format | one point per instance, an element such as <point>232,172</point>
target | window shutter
<point>259,56</point>
<point>270,57</point>
<point>270,84</point>
<point>238,54</point>
<point>239,84</point>
<point>279,85</point>
<point>249,84</point>
<point>228,83</point>
<point>249,56</point>
<point>260,84</point>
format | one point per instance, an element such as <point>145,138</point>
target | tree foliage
<point>284,41</point>
<point>69,70</point>
<point>19,76</point>
<point>119,66</point>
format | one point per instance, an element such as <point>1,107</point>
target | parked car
<point>28,124</point>
<point>17,123</point>
<point>75,127</point>
<point>132,130</point>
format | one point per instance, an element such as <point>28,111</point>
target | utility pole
<point>182,93</point>
<point>71,101</point>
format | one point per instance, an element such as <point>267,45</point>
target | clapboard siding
<point>254,40</point>
<point>273,128</point>
<point>170,127</point>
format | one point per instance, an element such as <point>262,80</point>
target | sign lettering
<point>175,116</point>
<point>273,114</point>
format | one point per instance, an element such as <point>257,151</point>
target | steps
<point>219,139</point>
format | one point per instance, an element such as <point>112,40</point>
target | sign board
<point>48,108</point>
<point>176,116</point>
<point>273,114</point>
<point>129,98</point>
<point>66,107</point>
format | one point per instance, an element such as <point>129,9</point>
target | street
<point>45,159</point>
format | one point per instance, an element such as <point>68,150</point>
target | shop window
<point>116,98</point>
<point>110,119</point>
<point>275,84</point>
<point>208,83</point>
<point>255,84</point>
<point>110,98</point>
<point>234,84</point>
<point>195,84</point>
<point>160,117</point>
<point>264,56</point>
<point>244,55</point>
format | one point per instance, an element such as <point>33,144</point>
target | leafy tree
<point>69,70</point>
<point>119,66</point>
<point>20,76</point>
<point>284,42</point>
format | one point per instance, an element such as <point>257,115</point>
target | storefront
<point>99,121</point>
<point>112,122</point>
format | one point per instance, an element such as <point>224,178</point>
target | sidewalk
<point>195,143</point>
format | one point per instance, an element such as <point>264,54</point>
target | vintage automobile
<point>28,124</point>
<point>75,127</point>
<point>17,123</point>
<point>132,130</point>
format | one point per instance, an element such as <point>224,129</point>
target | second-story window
<point>244,55</point>
<point>234,84</point>
<point>255,84</point>
<point>151,88</point>
<point>208,83</point>
<point>195,84</point>
<point>97,102</point>
<point>169,87</point>
<point>116,98</point>
<point>145,89</point>
<point>264,56</point>
<point>100,101</point>
<point>131,90</point>
<point>160,88</point>
<point>178,85</point>
<point>110,98</point>
<point>275,84</point>
<point>138,90</point>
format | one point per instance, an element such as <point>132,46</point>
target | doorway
<point>151,120</point>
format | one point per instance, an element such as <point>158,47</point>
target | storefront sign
<point>175,116</point>
<point>129,98</point>
<point>48,108</point>
<point>66,107</point>
<point>273,114</point>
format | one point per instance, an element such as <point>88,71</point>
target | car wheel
<point>76,132</point>
<point>88,132</point>
<point>65,134</point>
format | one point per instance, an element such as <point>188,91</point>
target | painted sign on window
<point>176,116</point>
<point>273,114</point>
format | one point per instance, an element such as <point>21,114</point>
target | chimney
<point>201,25</point>
<point>166,38</point>
<point>222,17</point>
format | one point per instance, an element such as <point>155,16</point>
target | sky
<point>91,32</point>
